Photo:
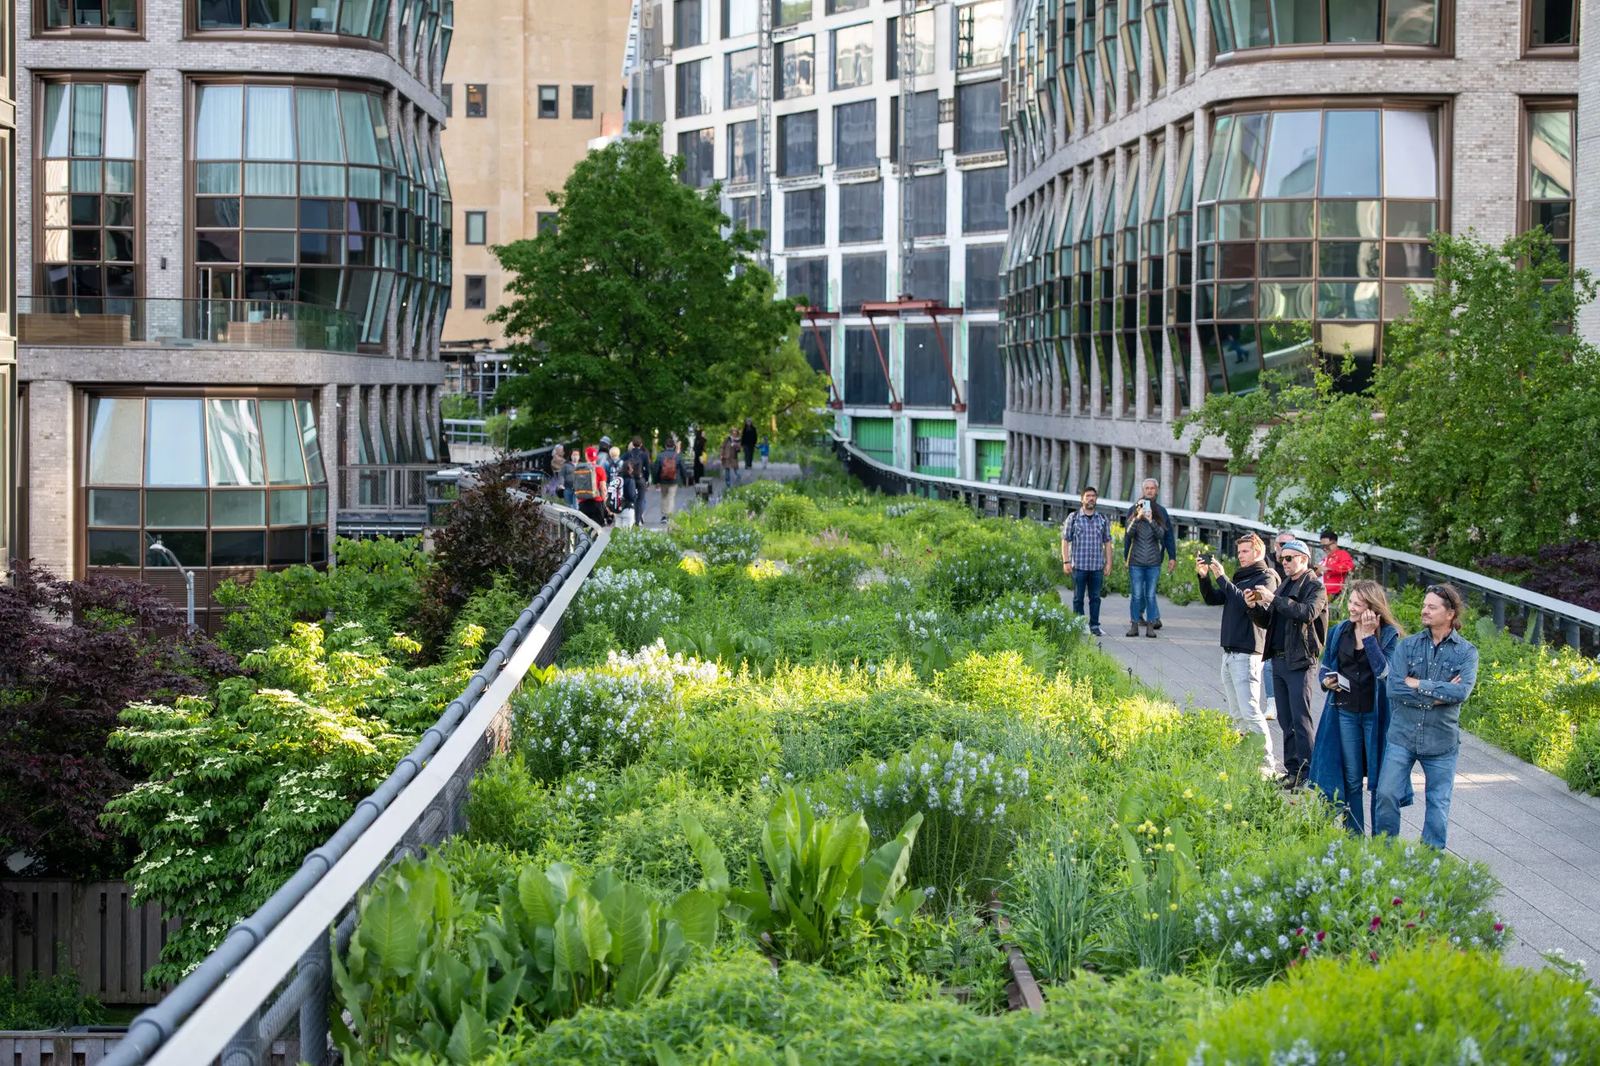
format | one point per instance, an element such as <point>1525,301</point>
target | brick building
<point>1198,192</point>
<point>232,255</point>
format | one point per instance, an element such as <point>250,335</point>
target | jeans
<point>1356,732</point>
<point>638,500</point>
<point>669,499</point>
<point>1142,593</point>
<point>1087,581</point>
<point>1439,777</point>
<point>1294,691</point>
<point>1268,692</point>
<point>572,497</point>
<point>1241,691</point>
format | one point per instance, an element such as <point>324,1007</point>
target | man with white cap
<point>1295,619</point>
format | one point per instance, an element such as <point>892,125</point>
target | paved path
<point>1541,840</point>
<point>689,497</point>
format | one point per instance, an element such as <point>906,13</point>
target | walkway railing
<point>271,975</point>
<point>1542,618</point>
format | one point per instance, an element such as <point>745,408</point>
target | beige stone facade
<point>1080,415</point>
<point>504,162</point>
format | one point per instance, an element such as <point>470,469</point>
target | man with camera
<point>1147,508</point>
<point>1242,638</point>
<point>1295,617</point>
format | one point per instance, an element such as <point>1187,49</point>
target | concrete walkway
<point>1541,840</point>
<point>689,497</point>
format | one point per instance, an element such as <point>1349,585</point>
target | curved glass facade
<point>355,18</point>
<point>302,194</point>
<point>1311,216</point>
<point>1240,25</point>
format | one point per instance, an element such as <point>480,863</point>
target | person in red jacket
<point>595,508</point>
<point>1337,564</point>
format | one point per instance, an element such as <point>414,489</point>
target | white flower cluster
<point>921,625</point>
<point>627,600</point>
<point>965,783</point>
<point>600,717</point>
<point>578,791</point>
<point>1045,612</point>
<point>654,663</point>
<point>642,547</point>
<point>900,510</point>
<point>729,543</point>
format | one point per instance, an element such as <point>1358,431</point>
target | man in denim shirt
<point>1430,677</point>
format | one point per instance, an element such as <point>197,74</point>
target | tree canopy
<point>635,312</point>
<point>1476,433</point>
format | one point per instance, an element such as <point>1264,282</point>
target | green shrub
<point>1043,611</point>
<point>41,1002</point>
<point>982,572</point>
<point>1430,1006</point>
<point>787,513</point>
<point>589,645</point>
<point>1582,770</point>
<point>507,806</point>
<point>634,547</point>
<point>1531,700</point>
<point>723,746</point>
<point>1367,897</point>
<point>494,609</point>
<point>633,604</point>
<point>590,717</point>
<point>757,496</point>
<point>647,845</point>
<point>831,567</point>
<point>729,541</point>
<point>1054,907</point>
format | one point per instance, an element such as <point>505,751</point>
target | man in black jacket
<point>747,441</point>
<point>1295,618</point>
<point>1242,639</point>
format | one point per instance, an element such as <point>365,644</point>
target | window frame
<point>539,102</point>
<point>482,218</point>
<point>325,38</point>
<point>1525,202</point>
<point>586,111</point>
<point>1442,48</point>
<point>136,32</point>
<point>481,89</point>
<point>466,292</point>
<point>1551,51</point>
<point>447,95</point>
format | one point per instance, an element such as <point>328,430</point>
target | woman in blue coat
<point>1355,716</point>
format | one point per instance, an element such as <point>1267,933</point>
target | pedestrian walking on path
<point>1084,555</point>
<point>569,469</point>
<point>729,457</point>
<point>1242,639</point>
<point>747,439</point>
<point>1355,713</point>
<point>1169,539</point>
<point>1295,618</point>
<point>699,455</point>
<point>672,469</point>
<point>1432,675</point>
<point>636,463</point>
<point>1142,550</point>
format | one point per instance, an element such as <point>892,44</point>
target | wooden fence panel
<point>91,929</point>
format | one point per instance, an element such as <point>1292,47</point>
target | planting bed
<point>792,752</point>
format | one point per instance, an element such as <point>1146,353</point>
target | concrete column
<point>52,461</point>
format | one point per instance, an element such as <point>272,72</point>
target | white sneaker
<point>1271,714</point>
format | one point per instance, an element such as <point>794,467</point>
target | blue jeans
<point>572,497</point>
<point>1142,593</point>
<point>1356,732</point>
<point>1439,777</point>
<point>1087,581</point>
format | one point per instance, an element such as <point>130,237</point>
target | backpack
<point>614,494</point>
<point>584,483</point>
<point>669,466</point>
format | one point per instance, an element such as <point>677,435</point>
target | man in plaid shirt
<point>1084,555</point>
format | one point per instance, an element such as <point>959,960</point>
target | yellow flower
<point>1227,806</point>
<point>1222,775</point>
<point>1245,824</point>
<point>1172,847</point>
<point>1172,906</point>
<point>1048,798</point>
<point>1167,831</point>
<point>1188,793</point>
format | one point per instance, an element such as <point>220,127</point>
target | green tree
<point>781,392</point>
<point>635,311</point>
<point>1476,434</point>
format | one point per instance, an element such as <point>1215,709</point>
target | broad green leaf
<point>571,958</point>
<point>471,1039</point>
<point>696,913</point>
<point>389,930</point>
<point>537,897</point>
<point>665,1056</point>
<point>712,864</point>
<point>591,925</point>
<point>630,982</point>
<point>502,996</point>
<point>885,872</point>
<point>627,911</point>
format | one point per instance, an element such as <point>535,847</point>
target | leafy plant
<point>982,571</point>
<point>76,653</point>
<point>40,1002</point>
<point>1161,873</point>
<point>832,567</point>
<point>728,541</point>
<point>588,717</point>
<point>786,512</point>
<point>820,874</point>
<point>1568,571</point>
<point>1054,909</point>
<point>758,496</point>
<point>633,604</point>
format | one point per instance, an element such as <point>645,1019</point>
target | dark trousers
<point>1294,690</point>
<point>1088,581</point>
<point>638,500</point>
<point>749,455</point>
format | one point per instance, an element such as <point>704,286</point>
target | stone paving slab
<point>1541,840</point>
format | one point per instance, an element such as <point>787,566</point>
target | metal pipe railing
<point>1543,617</point>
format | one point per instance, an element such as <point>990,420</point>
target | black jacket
<point>747,437</point>
<point>1303,602</point>
<point>1239,632</point>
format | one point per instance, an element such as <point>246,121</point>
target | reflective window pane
<point>1352,168</point>
<point>855,135</point>
<point>1349,218</point>
<point>269,122</point>
<point>113,507</point>
<point>861,212</point>
<point>742,69</point>
<point>176,443</point>
<point>239,508</point>
<point>114,547</point>
<point>239,547</point>
<point>1410,219</point>
<point>978,117</point>
<point>1293,219</point>
<point>1297,21</point>
<point>983,200</point>
<point>1412,22</point>
<point>852,56</point>
<point>983,278</point>
<point>281,438</point>
<point>1241,179</point>
<point>928,205</point>
<point>863,280</point>
<point>235,443</point>
<point>1292,154</point>
<point>116,440</point>
<point>1410,154</point>
<point>1550,155</point>
<point>1353,21</point>
<point>289,507</point>
<point>797,144</point>
<point>177,508</point>
<point>805,218</point>
<point>794,61</point>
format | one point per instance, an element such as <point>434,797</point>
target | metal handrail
<point>1579,626</point>
<point>235,1003</point>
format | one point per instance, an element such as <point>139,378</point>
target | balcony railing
<point>158,322</point>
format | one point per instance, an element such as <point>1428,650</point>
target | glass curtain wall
<point>1179,274</point>
<point>1239,25</point>
<point>1550,136</point>
<point>355,18</point>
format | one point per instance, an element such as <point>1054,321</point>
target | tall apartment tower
<point>545,83</point>
<point>1194,187</point>
<point>895,239</point>
<point>233,257</point>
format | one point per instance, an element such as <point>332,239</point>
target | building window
<point>690,100</point>
<point>978,117</point>
<point>852,56</point>
<point>983,277</point>
<point>583,101</point>
<point>840,7</point>
<point>792,12</point>
<point>697,148</point>
<point>686,24</point>
<point>743,147</point>
<point>923,138</point>
<point>368,19</point>
<point>980,34</point>
<point>743,68</point>
<point>983,200</point>
<point>1311,217</point>
<point>808,278</point>
<point>924,44</point>
<point>477,224</point>
<point>927,205</point>
<point>219,482</point>
<point>1548,143</point>
<point>447,93</point>
<point>548,222</point>
<point>864,280</point>
<point>930,274</point>
<point>861,212</point>
<point>986,374</point>
<point>796,69</point>
<point>549,101</point>
<point>476,292</point>
<point>866,353</point>
<point>805,218</point>
<point>855,135</point>
<point>98,14</point>
<point>1149,252</point>
<point>1179,273</point>
<point>90,198</point>
<point>301,194</point>
<point>742,213</point>
<point>477,101</point>
<point>927,377</point>
<point>740,17</point>
<point>1238,27</point>
<point>1552,23</point>
<point>797,144</point>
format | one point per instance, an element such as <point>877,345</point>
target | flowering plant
<point>633,604</point>
<point>591,717</point>
<point>729,542</point>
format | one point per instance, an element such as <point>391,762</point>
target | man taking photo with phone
<point>1295,619</point>
<point>1085,555</point>
<point>1150,507</point>
<point>1242,638</point>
